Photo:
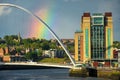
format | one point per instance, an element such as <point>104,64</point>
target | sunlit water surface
<point>40,74</point>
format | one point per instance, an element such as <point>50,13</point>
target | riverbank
<point>113,74</point>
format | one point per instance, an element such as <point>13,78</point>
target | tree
<point>35,45</point>
<point>2,41</point>
<point>53,45</point>
<point>39,52</point>
<point>8,40</point>
<point>18,50</point>
<point>116,44</point>
<point>11,40</point>
<point>27,42</point>
<point>3,45</point>
<point>31,56</point>
<point>70,48</point>
<point>45,45</point>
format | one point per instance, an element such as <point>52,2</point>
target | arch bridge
<point>46,25</point>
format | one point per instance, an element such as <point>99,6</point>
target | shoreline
<point>111,74</point>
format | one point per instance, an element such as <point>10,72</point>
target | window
<point>97,21</point>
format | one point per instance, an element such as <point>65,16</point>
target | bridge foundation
<point>83,72</point>
<point>105,73</point>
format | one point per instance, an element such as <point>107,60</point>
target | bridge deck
<point>38,64</point>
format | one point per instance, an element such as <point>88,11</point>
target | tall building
<point>95,40</point>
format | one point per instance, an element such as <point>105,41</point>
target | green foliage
<point>70,46</point>
<point>18,49</point>
<point>45,45</point>
<point>20,45</point>
<point>53,60</point>
<point>53,45</point>
<point>3,45</point>
<point>39,52</point>
<point>116,44</point>
<point>31,56</point>
<point>11,40</point>
<point>27,42</point>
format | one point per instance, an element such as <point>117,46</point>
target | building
<point>67,40</point>
<point>94,41</point>
<point>54,53</point>
<point>116,53</point>
<point>78,46</point>
<point>6,58</point>
<point>2,52</point>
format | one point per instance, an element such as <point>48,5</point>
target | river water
<point>40,74</point>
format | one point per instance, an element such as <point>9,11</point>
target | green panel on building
<point>98,20</point>
<point>109,42</point>
<point>87,43</point>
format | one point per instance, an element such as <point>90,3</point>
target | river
<point>40,74</point>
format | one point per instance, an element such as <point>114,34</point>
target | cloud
<point>4,10</point>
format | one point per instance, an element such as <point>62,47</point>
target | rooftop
<point>97,14</point>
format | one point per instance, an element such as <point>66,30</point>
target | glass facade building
<point>96,37</point>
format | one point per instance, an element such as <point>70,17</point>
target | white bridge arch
<point>47,27</point>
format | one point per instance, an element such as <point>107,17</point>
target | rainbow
<point>38,30</point>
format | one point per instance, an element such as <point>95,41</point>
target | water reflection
<point>40,74</point>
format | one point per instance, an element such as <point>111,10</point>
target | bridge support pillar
<point>83,72</point>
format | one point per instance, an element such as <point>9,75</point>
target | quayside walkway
<point>37,64</point>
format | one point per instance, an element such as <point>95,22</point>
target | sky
<point>63,17</point>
